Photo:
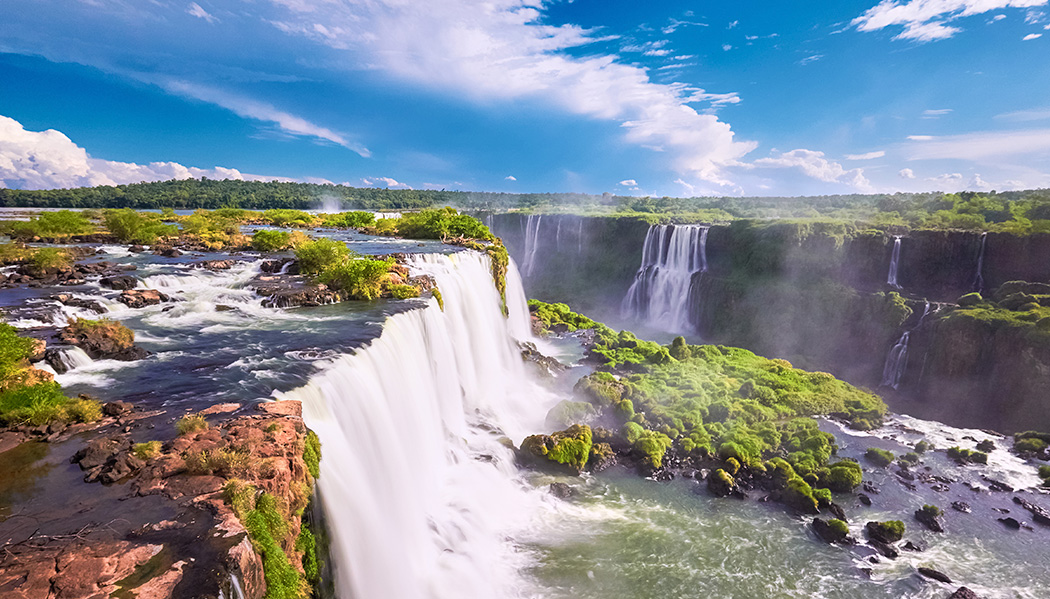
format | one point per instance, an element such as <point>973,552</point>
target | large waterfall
<point>419,488</point>
<point>659,295</point>
<point>897,359</point>
<point>891,278</point>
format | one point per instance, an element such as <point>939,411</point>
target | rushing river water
<point>413,405</point>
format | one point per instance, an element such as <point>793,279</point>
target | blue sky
<point>642,98</point>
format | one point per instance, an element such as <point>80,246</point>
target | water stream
<point>659,295</point>
<point>891,278</point>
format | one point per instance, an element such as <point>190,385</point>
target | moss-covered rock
<point>888,532</point>
<point>879,457</point>
<point>567,413</point>
<point>570,447</point>
<point>720,483</point>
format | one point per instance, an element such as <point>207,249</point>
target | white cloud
<point>196,10</point>
<point>510,178</point>
<point>906,173</point>
<point>676,25</point>
<point>689,188</point>
<point>868,156</point>
<point>979,146</point>
<point>261,111</point>
<point>937,112</point>
<point>1031,36</point>
<point>733,24</point>
<point>810,58</point>
<point>50,160</point>
<point>978,184</point>
<point>727,47</point>
<point>1021,116</point>
<point>629,183</point>
<point>948,181</point>
<point>998,18</point>
<point>813,164</point>
<point>502,50</point>
<point>927,20</point>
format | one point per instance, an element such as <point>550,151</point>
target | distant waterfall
<point>671,255</point>
<point>897,359</point>
<point>579,237</point>
<point>532,243</point>
<point>891,279</point>
<point>978,280</point>
<point>421,494</point>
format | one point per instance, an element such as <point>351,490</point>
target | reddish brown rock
<point>285,407</point>
<point>140,298</point>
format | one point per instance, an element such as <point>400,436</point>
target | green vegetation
<point>890,531</point>
<point>360,278</point>
<point>879,457</point>
<point>321,254</point>
<point>402,291</point>
<point>909,459</point>
<point>839,527</point>
<point>931,511</point>
<point>104,328</point>
<point>967,456</point>
<point>147,450</point>
<point>224,462</point>
<point>441,223</point>
<point>289,218</point>
<point>922,447</point>
<point>312,454</point>
<point>191,423</point>
<point>50,260</point>
<point>437,297</point>
<point>1031,441</point>
<point>559,317</point>
<point>570,447</point>
<point>129,226</point>
<point>271,241</point>
<point>348,220</point>
<point>28,395</point>
<point>48,225</point>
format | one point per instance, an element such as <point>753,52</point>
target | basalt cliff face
<point>826,296</point>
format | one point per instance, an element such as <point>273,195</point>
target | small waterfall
<point>424,496</point>
<point>579,237</point>
<point>978,279</point>
<point>659,295</point>
<point>897,359</point>
<point>532,243</point>
<point>72,358</point>
<point>891,279</point>
<point>557,236</point>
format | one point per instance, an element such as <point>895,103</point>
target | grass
<point>224,462</point>
<point>191,423</point>
<point>147,450</point>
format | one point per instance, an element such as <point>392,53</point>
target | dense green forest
<point>1019,211</point>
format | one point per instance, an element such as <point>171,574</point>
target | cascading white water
<point>659,295</point>
<point>891,279</point>
<point>421,494</point>
<point>897,359</point>
<point>978,279</point>
<point>579,237</point>
<point>73,357</point>
<point>532,243</point>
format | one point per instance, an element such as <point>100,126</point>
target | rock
<point>1010,523</point>
<point>830,533</point>
<point>548,365</point>
<point>602,457</point>
<point>935,575</point>
<point>120,283</point>
<point>929,520</point>
<point>100,340</point>
<point>910,546</point>
<point>68,300</point>
<point>106,459</point>
<point>884,548</point>
<point>864,499</point>
<point>284,407</point>
<point>885,532</point>
<point>288,265</point>
<point>117,408</point>
<point>221,408</point>
<point>166,251</point>
<point>215,264</point>
<point>964,593</point>
<point>561,490</point>
<point>140,298</point>
<point>1039,514</point>
<point>837,511</point>
<point>961,506</point>
<point>720,483</point>
<point>224,308</point>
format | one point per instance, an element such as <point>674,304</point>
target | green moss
<point>437,296</point>
<point>879,457</point>
<point>839,527</point>
<point>312,454</point>
<point>799,496</point>
<point>890,531</point>
<point>570,447</point>
<point>1029,444</point>
<point>931,511</point>
<point>1044,472</point>
<point>191,423</point>
<point>652,446</point>
<point>559,315</point>
<point>922,447</point>
<point>306,544</point>
<point>823,497</point>
<point>966,456</point>
<point>266,526</point>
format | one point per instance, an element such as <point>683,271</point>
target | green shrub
<point>147,450</point>
<point>360,278</point>
<point>321,254</point>
<point>50,259</point>
<point>129,226</point>
<point>14,352</point>
<point>1030,444</point>
<point>348,220</point>
<point>1044,472</point>
<point>306,544</point>
<point>909,459</point>
<point>266,240</point>
<point>289,218</point>
<point>879,457</point>
<point>191,423</point>
<point>266,528</point>
<point>966,456</point>
<point>931,511</point>
<point>312,454</point>
<point>43,403</point>
<point>403,291</point>
<point>439,223</point>
<point>50,225</point>
<point>922,447</point>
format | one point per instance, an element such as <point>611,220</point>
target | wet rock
<point>1039,514</point>
<point>964,593</point>
<point>935,575</point>
<point>720,483</point>
<point>547,365</point>
<point>830,533</point>
<point>120,283</point>
<point>1011,523</point>
<point>222,408</point>
<point>423,282</point>
<point>837,511</point>
<point>602,457</point>
<point>884,548</point>
<point>929,520</point>
<point>224,308</point>
<point>215,264</point>
<point>998,486</point>
<point>285,265</point>
<point>68,300</point>
<point>910,546</point>
<point>561,490</point>
<point>166,251</point>
<point>100,340</point>
<point>869,487</point>
<point>864,499</point>
<point>140,298</point>
<point>117,408</point>
<point>107,460</point>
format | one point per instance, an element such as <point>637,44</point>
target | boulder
<point>1011,523</point>
<point>561,490</point>
<point>929,519</point>
<point>284,407</point>
<point>1039,514</point>
<point>117,408</point>
<point>964,593</point>
<point>720,483</point>
<point>140,298</point>
<point>935,575</point>
<point>120,282</point>
<point>215,264</point>
<point>834,531</point>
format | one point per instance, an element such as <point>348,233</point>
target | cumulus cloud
<point>928,20</point>
<point>502,50</point>
<point>387,182</point>
<point>510,178</point>
<point>50,160</point>
<point>815,165</point>
<point>868,156</point>
<point>196,10</point>
<point>691,189</point>
<point>629,183</point>
<point>906,173</point>
<point>1031,36</point>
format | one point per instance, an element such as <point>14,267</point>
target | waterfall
<point>532,238</point>
<point>978,280</point>
<point>72,358</point>
<point>421,494</point>
<point>891,279</point>
<point>659,295</point>
<point>897,359</point>
<point>557,236</point>
<point>579,237</point>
